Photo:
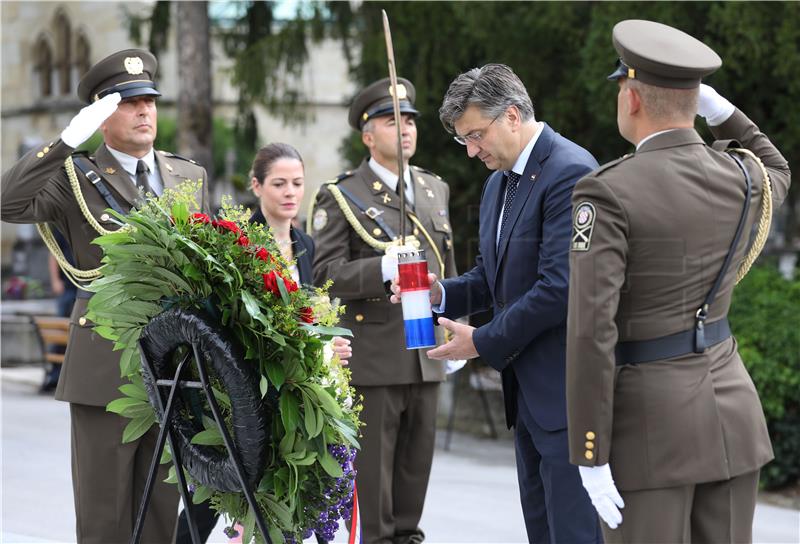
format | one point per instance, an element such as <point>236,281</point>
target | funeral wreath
<point>175,281</point>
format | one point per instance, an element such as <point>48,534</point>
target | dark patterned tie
<point>142,180</point>
<point>512,181</point>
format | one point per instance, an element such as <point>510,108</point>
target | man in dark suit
<point>71,190</point>
<point>355,221</point>
<point>660,404</point>
<point>521,273</point>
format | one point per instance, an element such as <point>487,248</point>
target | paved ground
<point>472,495</point>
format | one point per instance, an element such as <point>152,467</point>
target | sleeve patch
<point>582,226</point>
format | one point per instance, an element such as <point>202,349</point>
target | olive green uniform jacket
<point>665,218</point>
<point>379,351</point>
<point>37,190</point>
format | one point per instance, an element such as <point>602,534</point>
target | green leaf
<point>222,398</point>
<point>114,238</point>
<point>326,400</point>
<point>134,391</point>
<point>347,432</point>
<point>118,406</point>
<point>209,437</point>
<point>312,416</point>
<point>287,443</point>
<point>307,459</point>
<point>263,386</point>
<point>209,423</point>
<point>249,524</point>
<point>166,455</point>
<point>173,278</point>
<point>105,332</point>
<point>138,250</point>
<point>280,510</point>
<point>290,410</point>
<point>276,374</point>
<point>201,494</point>
<point>137,427</point>
<point>331,465</point>
<point>180,212</point>
<point>283,291</point>
<point>129,363</point>
<point>275,534</point>
<point>172,476</point>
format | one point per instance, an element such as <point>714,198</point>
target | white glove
<point>89,120</point>
<point>389,261</point>
<point>604,495</point>
<point>715,108</point>
<point>451,366</point>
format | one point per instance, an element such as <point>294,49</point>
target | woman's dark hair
<point>267,156</point>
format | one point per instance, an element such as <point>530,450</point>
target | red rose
<point>200,218</point>
<point>264,255</point>
<point>243,241</point>
<point>291,285</point>
<point>307,315</point>
<point>270,282</point>
<point>227,225</point>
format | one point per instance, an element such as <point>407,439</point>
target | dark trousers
<point>555,505</point>
<point>108,479</point>
<point>707,513</point>
<point>394,463</point>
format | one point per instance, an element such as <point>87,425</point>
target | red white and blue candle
<point>415,296</point>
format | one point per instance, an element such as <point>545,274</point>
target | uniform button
<point>589,455</point>
<point>82,321</point>
<point>589,435</point>
<point>40,154</point>
<point>376,231</point>
<point>589,445</point>
<point>46,150</point>
<point>359,318</point>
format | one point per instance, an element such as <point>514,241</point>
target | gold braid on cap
<point>763,222</point>
<point>373,242</point>
<point>74,274</point>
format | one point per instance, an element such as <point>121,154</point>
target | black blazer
<point>303,247</point>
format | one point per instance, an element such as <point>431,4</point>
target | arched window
<point>43,67</point>
<point>80,61</point>
<point>62,29</point>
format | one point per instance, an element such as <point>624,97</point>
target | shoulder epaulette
<point>340,177</point>
<point>603,167</point>
<point>426,171</point>
<point>174,156</point>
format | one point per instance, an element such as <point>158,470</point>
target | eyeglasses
<point>476,135</point>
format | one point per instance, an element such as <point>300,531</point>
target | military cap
<point>660,55</point>
<point>376,100</point>
<point>129,72</point>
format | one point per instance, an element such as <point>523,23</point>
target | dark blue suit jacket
<point>302,245</point>
<point>524,280</point>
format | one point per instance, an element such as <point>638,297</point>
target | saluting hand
<point>460,347</point>
<point>89,120</point>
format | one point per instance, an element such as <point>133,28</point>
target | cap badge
<point>583,225</point>
<point>133,65</point>
<point>402,93</point>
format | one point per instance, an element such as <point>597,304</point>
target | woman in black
<point>277,178</point>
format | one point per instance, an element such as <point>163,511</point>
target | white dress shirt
<point>129,162</point>
<point>390,179</point>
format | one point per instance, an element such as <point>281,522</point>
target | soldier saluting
<point>658,399</point>
<point>56,185</point>
<point>355,223</point>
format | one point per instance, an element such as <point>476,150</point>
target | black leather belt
<point>674,345</point>
<point>84,294</point>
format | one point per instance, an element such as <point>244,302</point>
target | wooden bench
<point>53,331</point>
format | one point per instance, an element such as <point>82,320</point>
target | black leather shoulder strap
<point>87,168</point>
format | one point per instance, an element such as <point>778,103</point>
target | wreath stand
<point>167,432</point>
